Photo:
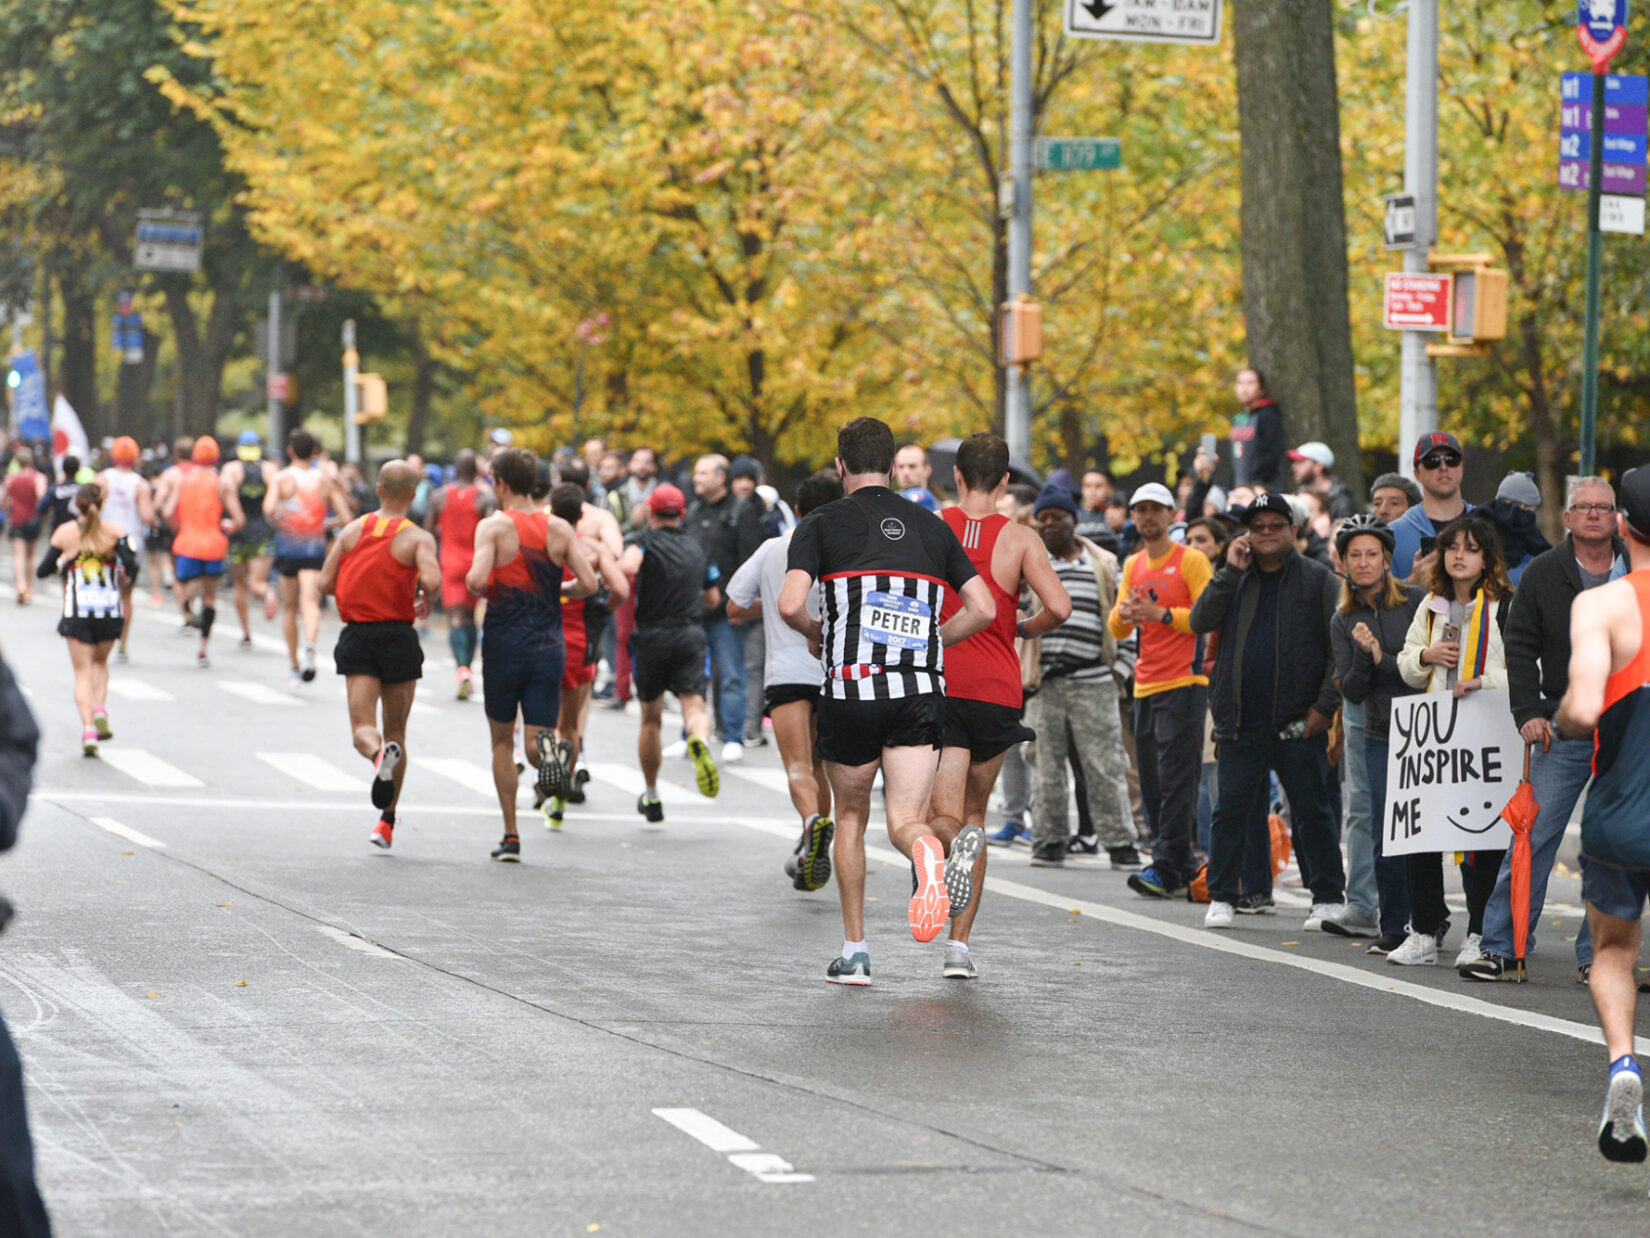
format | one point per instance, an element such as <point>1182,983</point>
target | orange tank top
<point>199,516</point>
<point>373,585</point>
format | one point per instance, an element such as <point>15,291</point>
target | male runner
<point>383,570</point>
<point>884,563</point>
<point>204,510</point>
<point>166,485</point>
<point>675,582</point>
<point>1610,691</point>
<point>520,551</point>
<point>251,547</point>
<point>128,500</point>
<point>296,505</point>
<point>984,697</point>
<point>579,674</point>
<point>791,679</point>
<point>455,511</point>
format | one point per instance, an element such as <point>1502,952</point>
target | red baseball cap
<point>666,500</point>
<point>1435,440</point>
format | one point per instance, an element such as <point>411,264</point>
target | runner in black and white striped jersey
<point>884,564</point>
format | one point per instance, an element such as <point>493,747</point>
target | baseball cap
<point>1633,497</point>
<point>1314,451</point>
<point>206,450</point>
<point>1277,504</point>
<point>1153,492</point>
<point>922,497</point>
<point>666,500</point>
<point>248,447</point>
<point>124,450</point>
<point>1435,440</point>
<point>500,437</point>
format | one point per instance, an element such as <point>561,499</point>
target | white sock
<point>851,948</point>
<point>652,790</point>
<point>951,943</point>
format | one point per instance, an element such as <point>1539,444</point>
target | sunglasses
<point>1440,459</point>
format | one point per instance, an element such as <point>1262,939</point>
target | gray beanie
<point>1520,488</point>
<point>1397,481</point>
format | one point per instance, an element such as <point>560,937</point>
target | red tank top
<point>373,586</point>
<point>984,667</point>
<point>199,513</point>
<point>458,523</point>
<point>22,497</point>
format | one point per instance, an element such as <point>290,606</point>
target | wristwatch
<point>1167,619</point>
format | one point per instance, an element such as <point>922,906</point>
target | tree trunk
<point>201,356</point>
<point>77,374</point>
<point>1294,221</point>
<point>418,417</point>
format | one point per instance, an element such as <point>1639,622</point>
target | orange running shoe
<point>930,904</point>
<point>383,834</point>
<point>463,683</point>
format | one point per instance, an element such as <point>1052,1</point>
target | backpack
<point>1197,890</point>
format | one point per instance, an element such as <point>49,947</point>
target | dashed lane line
<point>360,944</point>
<point>742,1152</point>
<point>127,832</point>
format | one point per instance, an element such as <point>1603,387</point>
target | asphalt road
<point>237,1017</point>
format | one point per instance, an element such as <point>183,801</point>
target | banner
<point>1451,767</point>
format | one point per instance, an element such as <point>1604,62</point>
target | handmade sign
<point>1452,765</point>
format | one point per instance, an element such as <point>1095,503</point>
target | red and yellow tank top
<point>524,597</point>
<point>984,667</point>
<point>373,585</point>
<point>1168,658</point>
<point>458,525</point>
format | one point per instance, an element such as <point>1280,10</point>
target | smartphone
<point>1452,631</point>
<point>1428,545</point>
<point>1208,445</point>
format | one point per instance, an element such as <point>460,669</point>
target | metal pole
<point>277,430</point>
<point>352,395</point>
<point>1418,382</point>
<point>1595,257</point>
<point>1017,411</point>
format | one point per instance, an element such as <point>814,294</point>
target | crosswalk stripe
<point>312,771</point>
<point>464,773</point>
<point>136,690</point>
<point>629,780</point>
<point>767,779</point>
<point>127,832</point>
<point>147,768</point>
<point>258,693</point>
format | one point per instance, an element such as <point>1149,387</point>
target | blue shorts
<point>1618,892</point>
<point>188,569</point>
<point>532,688</point>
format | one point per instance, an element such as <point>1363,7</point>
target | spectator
<point>1016,503</point>
<point>1368,633</point>
<point>628,502</point>
<point>1454,645</point>
<point>1438,468</point>
<point>1257,433</point>
<point>744,476</point>
<point>1391,495</point>
<point>911,467</point>
<point>1161,582</point>
<point>1538,673</point>
<point>1210,536</point>
<point>610,472</point>
<point>730,530</point>
<point>594,450</point>
<point>1311,527</point>
<point>1273,697</point>
<point>1076,688</point>
<point>363,497</point>
<point>1513,515</point>
<point>1313,465</point>
<point>1097,486</point>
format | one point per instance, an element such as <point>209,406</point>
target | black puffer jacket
<point>1362,681</point>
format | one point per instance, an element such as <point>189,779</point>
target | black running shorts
<point>669,660</point>
<point>90,631</point>
<point>984,728</point>
<point>775,695</point>
<point>856,732</point>
<point>389,652</point>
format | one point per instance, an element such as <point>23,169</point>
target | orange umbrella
<point>1520,814</point>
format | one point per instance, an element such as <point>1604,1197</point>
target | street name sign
<point>1417,302</point>
<point>168,241</point>
<point>1078,154</point>
<point>1146,21</point>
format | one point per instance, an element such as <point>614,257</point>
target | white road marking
<point>628,778</point>
<point>464,773</point>
<point>710,815</point>
<point>136,690</point>
<point>353,942</point>
<point>768,779</point>
<point>742,1152</point>
<point>127,832</point>
<point>259,693</point>
<point>147,768</point>
<point>312,771</point>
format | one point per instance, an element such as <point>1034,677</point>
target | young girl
<point>1454,645</point>
<point>89,552</point>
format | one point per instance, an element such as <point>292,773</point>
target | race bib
<point>96,595</point>
<point>895,620</point>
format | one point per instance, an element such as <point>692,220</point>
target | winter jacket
<point>1258,445</point>
<point>1427,627</point>
<point>1538,628</point>
<point>1407,532</point>
<point>1362,680</point>
<point>1521,538</point>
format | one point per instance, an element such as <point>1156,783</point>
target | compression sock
<point>455,642</point>
<point>389,816</point>
<point>208,613</point>
<point>851,948</point>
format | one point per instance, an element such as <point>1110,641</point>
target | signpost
<point>1146,21</point>
<point>169,241</point>
<point>1400,220</point>
<point>1418,302</point>
<point>1078,154</point>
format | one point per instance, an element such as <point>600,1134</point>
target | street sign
<point>1417,302</point>
<point>1400,221</point>
<point>1631,88</point>
<point>1621,214</point>
<point>1077,154</point>
<point>1618,177</point>
<point>1146,21</point>
<point>1618,147</point>
<point>1618,117</point>
<point>1601,26</point>
<point>169,241</point>
<point>1624,127</point>
<point>280,387</point>
<point>28,398</point>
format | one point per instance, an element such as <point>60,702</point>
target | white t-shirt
<point>787,659</point>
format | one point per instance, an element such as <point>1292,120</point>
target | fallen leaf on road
<point>226,904</point>
<point>128,853</point>
<point>151,994</point>
<point>1291,943</point>
<point>240,984</point>
<point>1076,911</point>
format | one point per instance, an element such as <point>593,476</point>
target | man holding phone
<point>1438,467</point>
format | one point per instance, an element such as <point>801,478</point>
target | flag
<point>68,435</point>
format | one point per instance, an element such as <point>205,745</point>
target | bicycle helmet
<point>1364,523</point>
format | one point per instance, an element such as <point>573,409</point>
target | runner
<point>675,581</point>
<point>579,673</point>
<point>89,552</point>
<point>166,487</point>
<point>1609,699</point>
<point>296,506</point>
<point>455,511</point>
<point>791,679</point>
<point>383,570</point>
<point>519,555</point>
<point>884,564</point>
<point>25,489</point>
<point>253,544</point>
<point>129,502</point>
<point>984,699</point>
<point>204,510</point>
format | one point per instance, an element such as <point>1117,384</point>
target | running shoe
<point>1494,967</point>
<point>1255,905</point>
<point>1322,913</point>
<point>554,809</point>
<point>1219,916</point>
<point>1083,844</point>
<point>705,776</point>
<point>306,668</point>
<point>1352,925</point>
<point>464,678</point>
<point>959,867</point>
<point>732,751</point>
<point>1584,974</point>
<point>293,681</point>
<point>552,775</point>
<point>930,903</point>
<point>100,721</point>
<point>958,964</point>
<point>508,850</point>
<point>855,971</point>
<point>1005,837</point>
<point>793,870</point>
<point>1418,950</point>
<point>1154,883</point>
<point>1125,859</point>
<point>382,834</point>
<point>1048,855</point>
<point>676,751</point>
<point>649,805</point>
<point>383,774</point>
<point>1621,1129</point>
<point>121,656</point>
<point>581,775</point>
<point>1471,951</point>
<point>202,662</point>
<point>813,854</point>
<point>246,644</point>
<point>1386,943</point>
<point>88,742</point>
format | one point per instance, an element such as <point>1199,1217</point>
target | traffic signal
<point>1020,331</point>
<point>375,398</point>
<point>14,380</point>
<point>1478,304</point>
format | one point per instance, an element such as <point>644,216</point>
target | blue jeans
<point>1557,778</point>
<point>1391,871</point>
<point>1302,765</point>
<point>1361,892</point>
<point>726,645</point>
<point>1206,803</point>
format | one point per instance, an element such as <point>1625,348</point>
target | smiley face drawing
<point>1465,812</point>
